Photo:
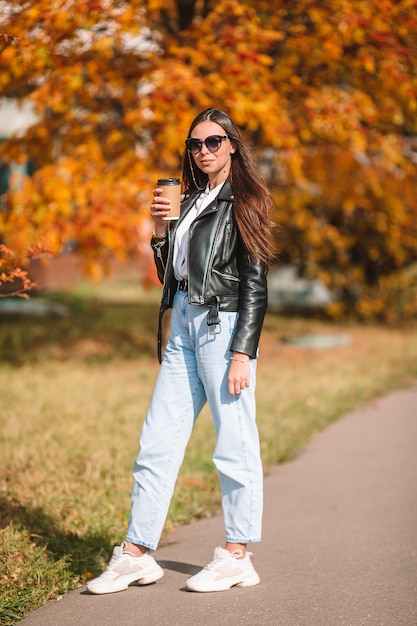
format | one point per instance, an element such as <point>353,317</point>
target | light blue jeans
<point>194,371</point>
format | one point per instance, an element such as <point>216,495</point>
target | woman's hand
<point>239,373</point>
<point>160,208</point>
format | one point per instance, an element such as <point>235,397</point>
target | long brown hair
<point>252,200</point>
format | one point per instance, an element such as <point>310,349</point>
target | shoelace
<point>237,554</point>
<point>116,557</point>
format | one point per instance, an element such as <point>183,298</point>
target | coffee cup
<point>171,188</point>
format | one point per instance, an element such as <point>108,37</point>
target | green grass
<point>73,395</point>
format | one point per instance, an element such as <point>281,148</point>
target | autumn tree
<point>348,204</point>
<point>13,278</point>
<point>326,91</point>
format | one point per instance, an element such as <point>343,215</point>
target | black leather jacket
<point>221,276</point>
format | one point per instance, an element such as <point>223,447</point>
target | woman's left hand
<point>239,373</point>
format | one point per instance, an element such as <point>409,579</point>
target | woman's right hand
<point>159,210</point>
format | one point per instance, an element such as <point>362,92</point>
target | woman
<point>213,267</point>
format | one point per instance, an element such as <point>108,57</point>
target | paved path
<point>339,547</point>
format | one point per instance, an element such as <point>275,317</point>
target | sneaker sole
<point>113,587</point>
<point>224,585</point>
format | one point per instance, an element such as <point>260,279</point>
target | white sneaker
<point>124,569</point>
<point>225,570</point>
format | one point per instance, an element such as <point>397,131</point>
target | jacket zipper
<point>159,254</point>
<point>203,290</point>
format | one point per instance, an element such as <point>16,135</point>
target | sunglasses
<point>212,143</point>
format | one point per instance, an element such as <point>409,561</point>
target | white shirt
<point>181,234</point>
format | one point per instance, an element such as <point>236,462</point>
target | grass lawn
<point>73,394</point>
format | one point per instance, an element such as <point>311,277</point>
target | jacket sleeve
<point>160,254</point>
<point>253,300</point>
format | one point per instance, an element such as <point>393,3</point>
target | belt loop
<point>183,285</point>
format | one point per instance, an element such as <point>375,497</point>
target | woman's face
<point>215,164</point>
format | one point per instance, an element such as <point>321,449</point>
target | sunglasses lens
<point>194,145</point>
<point>213,143</point>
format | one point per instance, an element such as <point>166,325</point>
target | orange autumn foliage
<point>325,90</point>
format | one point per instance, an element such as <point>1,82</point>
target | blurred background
<point>96,98</point>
